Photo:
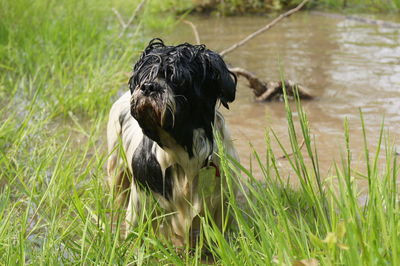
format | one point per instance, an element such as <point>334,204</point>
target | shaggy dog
<point>166,126</point>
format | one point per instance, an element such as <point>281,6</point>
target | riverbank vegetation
<point>62,63</point>
<point>232,7</point>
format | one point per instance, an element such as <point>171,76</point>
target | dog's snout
<point>149,88</point>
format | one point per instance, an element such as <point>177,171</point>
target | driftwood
<point>264,91</point>
<point>271,90</point>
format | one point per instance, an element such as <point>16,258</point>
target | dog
<point>166,126</point>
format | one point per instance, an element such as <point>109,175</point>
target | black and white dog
<point>166,125</point>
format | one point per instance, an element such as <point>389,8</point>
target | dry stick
<point>290,154</point>
<point>138,8</point>
<point>194,29</point>
<point>265,91</point>
<point>265,28</point>
<point>121,20</point>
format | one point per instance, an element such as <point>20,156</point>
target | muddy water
<point>346,64</point>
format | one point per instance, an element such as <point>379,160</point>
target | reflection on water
<point>346,64</point>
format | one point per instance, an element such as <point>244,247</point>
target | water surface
<point>346,64</point>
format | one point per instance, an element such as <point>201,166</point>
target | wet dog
<point>166,125</point>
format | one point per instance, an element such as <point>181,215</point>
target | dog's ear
<point>225,80</point>
<point>227,83</point>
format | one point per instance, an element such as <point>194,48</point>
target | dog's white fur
<point>186,201</point>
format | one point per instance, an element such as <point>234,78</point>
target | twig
<point>138,8</point>
<point>194,29</point>
<point>121,20</point>
<point>265,28</point>
<point>290,154</point>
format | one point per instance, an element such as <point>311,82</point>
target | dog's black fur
<point>166,124</point>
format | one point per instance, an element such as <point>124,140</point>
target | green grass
<point>262,6</point>
<point>60,71</point>
<point>362,5</point>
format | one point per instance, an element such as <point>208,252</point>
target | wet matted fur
<point>166,124</point>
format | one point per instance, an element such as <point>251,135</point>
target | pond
<point>346,64</point>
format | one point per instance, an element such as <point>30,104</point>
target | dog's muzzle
<point>147,99</point>
<point>151,89</point>
<point>148,107</point>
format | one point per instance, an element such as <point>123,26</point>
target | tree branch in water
<point>263,29</point>
<point>194,29</point>
<point>267,91</point>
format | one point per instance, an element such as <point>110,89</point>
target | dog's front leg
<point>188,205</point>
<point>180,222</point>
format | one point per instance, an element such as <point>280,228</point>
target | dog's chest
<point>147,170</point>
<point>160,172</point>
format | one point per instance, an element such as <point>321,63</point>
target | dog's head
<point>175,89</point>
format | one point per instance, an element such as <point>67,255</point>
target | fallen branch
<point>263,29</point>
<point>194,29</point>
<point>267,91</point>
<point>264,91</point>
